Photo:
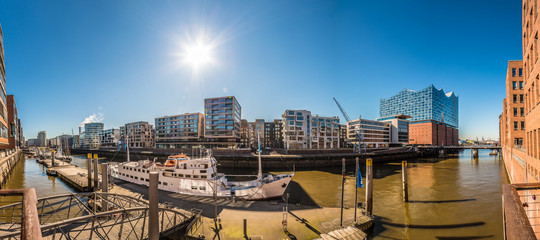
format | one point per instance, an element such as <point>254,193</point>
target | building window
<point>514,98</point>
<point>515,112</point>
<point>522,111</point>
<point>514,85</point>
<point>521,100</point>
<point>522,125</point>
<point>514,72</point>
<point>521,72</point>
<point>521,85</point>
<point>516,125</point>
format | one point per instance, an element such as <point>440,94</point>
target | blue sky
<point>67,60</point>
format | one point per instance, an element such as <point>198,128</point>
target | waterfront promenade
<point>264,218</point>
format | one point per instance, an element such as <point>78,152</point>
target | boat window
<point>188,176</point>
<point>148,180</point>
<point>203,176</point>
<point>181,175</point>
<point>159,182</point>
<point>165,183</point>
<point>195,176</point>
<point>194,187</point>
<point>205,165</point>
<point>203,171</point>
<point>202,188</point>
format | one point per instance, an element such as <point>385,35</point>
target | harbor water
<point>449,198</point>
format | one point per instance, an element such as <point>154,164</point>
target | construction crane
<point>359,137</point>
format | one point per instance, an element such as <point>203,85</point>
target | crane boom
<point>359,137</point>
<point>345,115</point>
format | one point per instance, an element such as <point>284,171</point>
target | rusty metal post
<point>96,176</point>
<point>104,185</point>
<point>404,180</point>
<point>369,186</point>
<point>89,168</point>
<point>153,214</point>
<point>31,229</point>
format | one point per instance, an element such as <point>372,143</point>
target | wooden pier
<point>73,176</point>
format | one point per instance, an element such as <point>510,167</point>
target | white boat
<point>199,177</point>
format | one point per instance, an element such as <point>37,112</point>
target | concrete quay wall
<point>250,161</point>
<point>8,159</point>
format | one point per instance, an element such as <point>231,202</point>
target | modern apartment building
<point>3,98</point>
<point>399,128</point>
<point>138,134</point>
<point>64,140</point>
<point>244,133</point>
<point>301,130</point>
<point>222,121</point>
<point>109,137</point>
<point>42,139</point>
<point>376,134</point>
<point>278,133</point>
<point>179,131</point>
<point>430,107</point>
<point>89,135</point>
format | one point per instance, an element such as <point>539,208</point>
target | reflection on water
<point>27,173</point>
<point>449,198</point>
<point>452,198</point>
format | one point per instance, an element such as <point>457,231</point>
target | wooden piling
<point>96,177</point>
<point>342,189</point>
<point>356,188</point>
<point>405,181</point>
<point>53,158</point>
<point>245,229</point>
<point>104,184</point>
<point>369,186</point>
<point>89,168</point>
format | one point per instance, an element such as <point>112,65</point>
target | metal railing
<point>29,222</point>
<point>82,215</point>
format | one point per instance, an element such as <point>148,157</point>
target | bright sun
<point>197,55</point>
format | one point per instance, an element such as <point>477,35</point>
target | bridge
<point>88,216</point>
<point>492,147</point>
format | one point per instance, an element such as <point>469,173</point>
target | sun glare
<point>198,55</point>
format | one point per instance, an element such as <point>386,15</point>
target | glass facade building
<point>179,131</point>
<point>423,105</point>
<point>222,118</point>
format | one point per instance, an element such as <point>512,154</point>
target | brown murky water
<point>450,198</point>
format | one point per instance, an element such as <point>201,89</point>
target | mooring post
<point>96,176</point>
<point>245,229</point>
<point>356,188</point>
<point>369,186</point>
<point>404,179</point>
<point>104,185</point>
<point>89,168</point>
<point>342,189</point>
<point>52,157</point>
<point>153,214</point>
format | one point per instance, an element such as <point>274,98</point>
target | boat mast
<point>259,176</point>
